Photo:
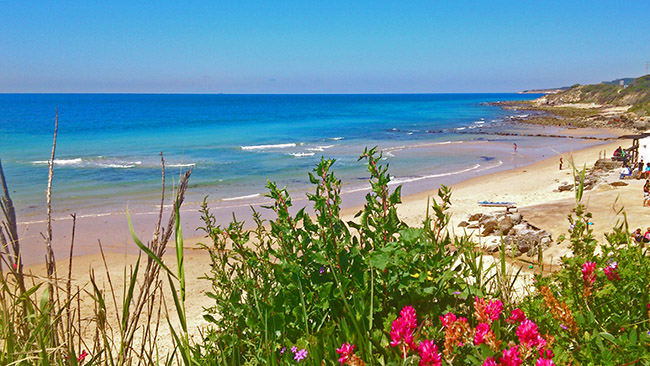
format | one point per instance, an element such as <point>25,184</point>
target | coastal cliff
<point>600,105</point>
<point>636,95</point>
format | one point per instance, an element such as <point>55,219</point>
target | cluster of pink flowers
<point>516,316</point>
<point>487,311</point>
<point>611,271</point>
<point>449,318</point>
<point>402,334</point>
<point>346,351</point>
<point>589,273</point>
<point>403,327</point>
<point>482,330</point>
<point>529,336</point>
<point>458,333</point>
<point>510,357</point>
<point>545,358</point>
<point>429,355</point>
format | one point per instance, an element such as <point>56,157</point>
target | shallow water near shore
<point>108,149</point>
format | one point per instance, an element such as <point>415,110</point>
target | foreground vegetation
<point>313,289</point>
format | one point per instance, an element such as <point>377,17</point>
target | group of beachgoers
<point>639,237</point>
<point>641,169</point>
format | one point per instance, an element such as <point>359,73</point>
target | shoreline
<point>91,228</point>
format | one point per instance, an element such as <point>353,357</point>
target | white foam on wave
<point>460,128</point>
<point>270,146</point>
<point>414,179</point>
<point>91,163</point>
<point>447,142</point>
<point>302,154</point>
<point>181,165</point>
<point>241,197</point>
<point>320,148</point>
<point>60,161</point>
<point>479,122</point>
<point>117,166</point>
<point>336,138</point>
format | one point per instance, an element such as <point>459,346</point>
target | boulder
<point>565,187</point>
<point>641,124</point>
<point>519,229</point>
<point>618,183</point>
<point>489,227</point>
<point>505,225</point>
<point>486,217</point>
<point>516,218</point>
<point>475,217</point>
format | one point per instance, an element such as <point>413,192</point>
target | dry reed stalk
<point>70,312</point>
<point>50,261</point>
<point>10,243</point>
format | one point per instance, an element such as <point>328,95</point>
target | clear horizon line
<point>339,93</point>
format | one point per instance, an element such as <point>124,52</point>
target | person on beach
<point>625,172</point>
<point>561,162</point>
<point>639,169</point>
<point>637,236</point>
<point>646,193</point>
<point>515,145</point>
<point>646,172</point>
<point>646,236</point>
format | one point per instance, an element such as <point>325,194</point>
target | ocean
<point>109,144</point>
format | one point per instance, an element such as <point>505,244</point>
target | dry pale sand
<point>531,187</point>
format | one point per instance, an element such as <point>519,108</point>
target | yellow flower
<point>417,275</point>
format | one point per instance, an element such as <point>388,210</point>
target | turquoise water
<point>109,144</point>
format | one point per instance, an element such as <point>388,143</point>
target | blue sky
<point>302,46</point>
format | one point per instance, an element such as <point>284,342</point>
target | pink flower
<point>544,362</point>
<point>409,316</point>
<point>294,349</point>
<point>528,334</point>
<point>346,351</point>
<point>403,327</point>
<point>300,355</point>
<point>82,356</point>
<point>429,355</point>
<point>510,357</point>
<point>451,317</point>
<point>611,271</point>
<point>494,308</point>
<point>481,331</point>
<point>588,274</point>
<point>487,311</point>
<point>283,350</point>
<point>490,362</point>
<point>516,316</point>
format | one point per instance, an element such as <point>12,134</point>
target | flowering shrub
<point>595,306</point>
<point>313,281</point>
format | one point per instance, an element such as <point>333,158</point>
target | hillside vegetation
<point>637,95</point>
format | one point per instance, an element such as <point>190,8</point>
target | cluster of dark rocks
<point>519,236</point>
<point>591,180</point>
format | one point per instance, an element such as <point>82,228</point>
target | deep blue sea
<point>108,144</point>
